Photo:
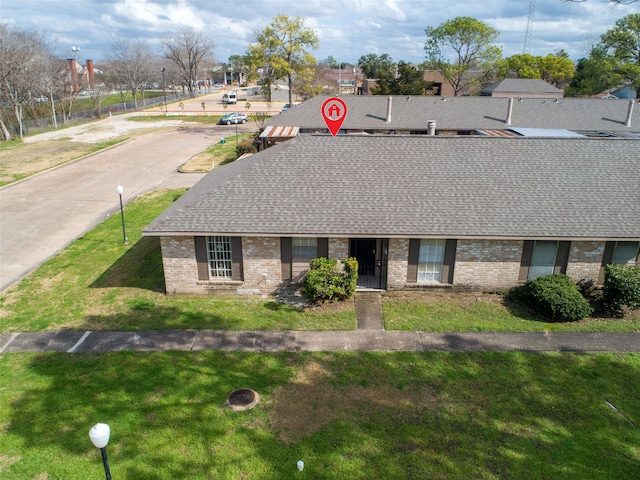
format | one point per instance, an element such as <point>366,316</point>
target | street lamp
<point>164,92</point>
<point>99,435</point>
<point>120,190</point>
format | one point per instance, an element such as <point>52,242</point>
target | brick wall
<point>179,263</point>
<point>487,263</point>
<point>261,263</point>
<point>397,262</point>
<point>480,264</point>
<point>585,260</point>
<point>338,247</point>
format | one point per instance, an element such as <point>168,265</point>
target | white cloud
<point>347,29</point>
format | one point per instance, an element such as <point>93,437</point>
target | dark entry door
<point>371,254</point>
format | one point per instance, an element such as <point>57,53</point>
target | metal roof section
<point>273,132</point>
<point>545,132</point>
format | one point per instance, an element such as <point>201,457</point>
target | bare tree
<point>189,50</point>
<point>131,65</point>
<point>22,54</point>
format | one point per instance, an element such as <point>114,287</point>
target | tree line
<point>34,82</point>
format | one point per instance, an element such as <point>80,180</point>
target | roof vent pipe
<point>509,111</point>
<point>389,110</point>
<point>629,113</point>
<point>431,127</point>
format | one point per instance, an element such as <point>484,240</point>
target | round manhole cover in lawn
<point>243,399</point>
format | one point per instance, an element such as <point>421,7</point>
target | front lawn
<point>346,415</point>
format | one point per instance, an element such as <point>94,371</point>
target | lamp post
<point>99,435</point>
<point>164,92</point>
<point>120,190</point>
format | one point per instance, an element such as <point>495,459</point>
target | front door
<point>371,254</point>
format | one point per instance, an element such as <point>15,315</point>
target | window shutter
<point>322,246</point>
<point>525,262</point>
<point>449,260</point>
<point>236,258</point>
<point>412,267</point>
<point>201,258</point>
<point>562,257</point>
<point>286,254</point>
<point>607,257</point>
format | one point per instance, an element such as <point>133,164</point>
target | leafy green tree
<point>472,44</point>
<point>555,69</point>
<point>376,66</point>
<point>280,50</point>
<point>409,81</point>
<point>594,74</point>
<point>623,43</point>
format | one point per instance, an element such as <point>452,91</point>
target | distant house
<point>522,88</point>
<point>416,211</point>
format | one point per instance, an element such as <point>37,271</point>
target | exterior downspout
<point>431,127</point>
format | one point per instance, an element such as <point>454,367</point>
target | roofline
<point>381,235</point>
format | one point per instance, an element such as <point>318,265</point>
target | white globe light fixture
<point>99,435</point>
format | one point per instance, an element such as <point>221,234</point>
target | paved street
<point>41,215</point>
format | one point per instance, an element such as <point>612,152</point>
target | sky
<point>346,29</point>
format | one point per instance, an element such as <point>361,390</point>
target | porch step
<point>368,310</point>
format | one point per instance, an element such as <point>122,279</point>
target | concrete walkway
<point>369,310</point>
<point>314,341</point>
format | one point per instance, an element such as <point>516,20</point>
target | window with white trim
<point>430,260</point>
<point>543,258</point>
<point>625,252</point>
<point>219,257</point>
<point>304,247</point>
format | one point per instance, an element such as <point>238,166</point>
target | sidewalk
<point>314,341</point>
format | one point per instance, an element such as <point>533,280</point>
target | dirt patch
<point>311,401</point>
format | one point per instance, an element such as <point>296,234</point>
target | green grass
<point>346,415</point>
<point>485,313</point>
<point>98,283</point>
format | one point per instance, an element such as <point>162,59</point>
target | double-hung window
<point>543,258</point>
<point>625,252</point>
<point>219,257</point>
<point>430,260</point>
<point>304,247</point>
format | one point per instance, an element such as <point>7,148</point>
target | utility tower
<point>527,35</point>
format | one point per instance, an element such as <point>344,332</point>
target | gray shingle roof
<point>369,112</point>
<point>524,85</point>
<point>419,186</point>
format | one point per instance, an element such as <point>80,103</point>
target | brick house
<point>416,211</point>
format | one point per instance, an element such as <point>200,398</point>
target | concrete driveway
<point>42,214</point>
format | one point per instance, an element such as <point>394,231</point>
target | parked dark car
<point>230,118</point>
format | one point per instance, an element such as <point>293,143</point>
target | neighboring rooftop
<point>419,186</point>
<point>522,87</point>
<point>411,114</point>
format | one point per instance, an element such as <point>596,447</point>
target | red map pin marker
<point>334,111</point>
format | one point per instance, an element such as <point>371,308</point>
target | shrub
<point>331,279</point>
<point>554,297</point>
<point>246,145</point>
<point>621,288</point>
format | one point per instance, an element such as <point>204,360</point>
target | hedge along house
<point>416,211</point>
